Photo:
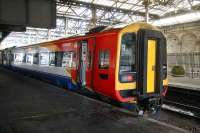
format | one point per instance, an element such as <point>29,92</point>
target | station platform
<point>184,82</point>
<point>30,106</point>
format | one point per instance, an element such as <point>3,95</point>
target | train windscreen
<point>127,58</point>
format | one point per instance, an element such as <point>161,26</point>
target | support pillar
<point>146,4</point>
<point>66,26</point>
<point>147,13</point>
<point>93,21</point>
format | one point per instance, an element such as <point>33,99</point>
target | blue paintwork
<point>58,80</point>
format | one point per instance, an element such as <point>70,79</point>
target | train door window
<point>44,58</point>
<point>89,59</point>
<point>36,58</point>
<point>29,58</point>
<point>74,60</point>
<point>58,59</point>
<point>127,58</point>
<point>104,57</point>
<point>67,59</point>
<point>52,59</point>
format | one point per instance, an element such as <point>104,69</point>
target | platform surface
<point>184,82</point>
<point>31,106</point>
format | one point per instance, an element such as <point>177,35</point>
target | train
<point>126,64</point>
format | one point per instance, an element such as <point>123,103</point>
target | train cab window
<point>127,58</point>
<point>36,58</point>
<point>44,58</point>
<point>67,59</point>
<point>52,60</point>
<point>104,57</point>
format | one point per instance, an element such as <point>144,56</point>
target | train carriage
<point>126,64</point>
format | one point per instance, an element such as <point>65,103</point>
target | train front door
<point>83,63</point>
<point>87,50</point>
<point>150,62</point>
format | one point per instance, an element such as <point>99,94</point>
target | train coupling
<point>154,104</point>
<point>149,105</point>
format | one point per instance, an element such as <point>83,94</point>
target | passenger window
<point>44,58</point>
<point>29,58</point>
<point>36,58</point>
<point>18,57</point>
<point>24,58</point>
<point>104,57</point>
<point>12,57</point>
<point>67,59</point>
<point>58,59</point>
<point>52,60</point>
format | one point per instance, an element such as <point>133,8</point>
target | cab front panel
<point>143,77</point>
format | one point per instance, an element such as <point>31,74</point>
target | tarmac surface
<point>30,106</point>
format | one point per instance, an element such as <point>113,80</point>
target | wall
<point>183,47</point>
<point>183,38</point>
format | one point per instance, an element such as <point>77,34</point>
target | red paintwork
<point>96,42</point>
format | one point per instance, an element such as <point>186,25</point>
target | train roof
<point>107,29</point>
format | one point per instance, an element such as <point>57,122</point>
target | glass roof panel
<point>104,2</point>
<point>136,5</point>
<point>126,6</point>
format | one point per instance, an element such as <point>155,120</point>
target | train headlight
<point>126,78</point>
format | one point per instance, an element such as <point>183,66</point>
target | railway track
<point>184,101</point>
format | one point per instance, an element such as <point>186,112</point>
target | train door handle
<point>153,68</point>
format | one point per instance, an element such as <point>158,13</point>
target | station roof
<point>157,8</point>
<point>78,16</point>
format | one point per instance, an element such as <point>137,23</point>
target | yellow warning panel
<point>151,65</point>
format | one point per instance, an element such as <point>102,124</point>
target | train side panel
<point>104,64</point>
